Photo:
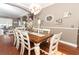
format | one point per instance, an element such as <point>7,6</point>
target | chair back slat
<point>54,42</point>
<point>23,39</point>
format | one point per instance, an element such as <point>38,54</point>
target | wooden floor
<point>7,48</point>
<point>69,50</point>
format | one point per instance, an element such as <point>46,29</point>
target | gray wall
<point>57,10</point>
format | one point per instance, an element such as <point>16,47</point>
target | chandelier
<point>35,9</point>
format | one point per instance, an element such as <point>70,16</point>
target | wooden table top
<point>39,39</point>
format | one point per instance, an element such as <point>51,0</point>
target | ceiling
<point>27,1</point>
<point>15,10</point>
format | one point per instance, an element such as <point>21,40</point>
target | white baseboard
<point>74,45</point>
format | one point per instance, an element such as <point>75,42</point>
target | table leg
<point>37,48</point>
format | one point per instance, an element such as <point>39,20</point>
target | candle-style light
<point>39,23</point>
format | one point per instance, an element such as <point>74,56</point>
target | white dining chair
<point>20,28</point>
<point>41,30</point>
<point>53,45</point>
<point>16,39</point>
<point>24,40</point>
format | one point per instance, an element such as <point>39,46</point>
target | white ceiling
<point>15,10</point>
<point>26,5</point>
<point>28,1</point>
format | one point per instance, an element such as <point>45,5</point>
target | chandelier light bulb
<point>35,9</point>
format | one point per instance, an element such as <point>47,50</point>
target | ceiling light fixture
<point>35,9</point>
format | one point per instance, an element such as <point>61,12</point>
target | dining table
<point>37,39</point>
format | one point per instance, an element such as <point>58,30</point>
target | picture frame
<point>49,18</point>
